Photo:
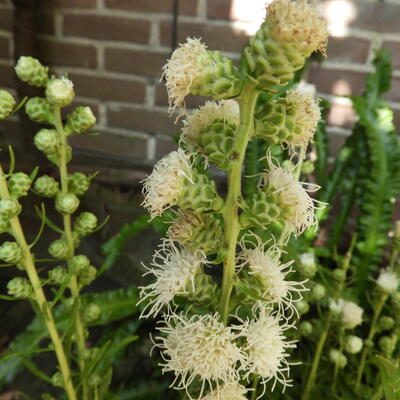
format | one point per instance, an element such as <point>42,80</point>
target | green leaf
<point>390,375</point>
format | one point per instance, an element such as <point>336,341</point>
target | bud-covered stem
<point>377,311</point>
<point>73,285</point>
<point>234,197</point>
<point>40,297</point>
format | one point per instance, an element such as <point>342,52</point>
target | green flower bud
<point>307,168</point>
<point>4,224</point>
<point>66,203</point>
<point>307,266</point>
<point>57,379</point>
<point>58,249</point>
<point>9,208</point>
<point>55,159</point>
<point>47,141</point>
<point>386,323</point>
<point>197,232</point>
<point>200,196</point>
<point>337,358</point>
<point>11,252</point>
<point>78,183</point>
<point>353,344</point>
<point>80,120</point>
<point>305,328</point>
<point>318,292</point>
<point>95,380</point>
<point>58,274</point>
<point>19,288</point>
<point>32,72</point>
<point>7,104</point>
<point>85,224</point>
<point>39,110</point>
<point>60,92</point>
<point>205,289</point>
<point>260,210</point>
<point>387,344</point>
<point>46,186</point>
<point>79,263</point>
<point>302,307</point>
<point>89,354</point>
<point>339,275</point>
<point>19,184</point>
<point>87,276</point>
<point>92,312</point>
<point>395,298</point>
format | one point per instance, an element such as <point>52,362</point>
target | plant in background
<point>223,291</point>
<point>64,314</point>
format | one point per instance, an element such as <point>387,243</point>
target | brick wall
<point>113,50</point>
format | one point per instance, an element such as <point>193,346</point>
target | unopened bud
<point>337,358</point>
<point>46,186</point>
<point>87,276</point>
<point>19,288</point>
<point>58,274</point>
<point>92,312</point>
<point>318,292</point>
<point>386,323</point>
<point>85,224</point>
<point>60,92</point>
<point>47,141</point>
<point>80,120</point>
<point>9,208</point>
<point>57,380</point>
<point>19,184</point>
<point>58,249</point>
<point>7,104</point>
<point>353,344</point>
<point>31,71</point>
<point>67,203</point>
<point>11,252</point>
<point>307,266</point>
<point>39,110</point>
<point>387,344</point>
<point>302,307</point>
<point>79,263</point>
<point>78,183</point>
<point>305,328</point>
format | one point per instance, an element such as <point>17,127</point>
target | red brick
<point>111,143</point>
<point>46,22</point>
<point>341,115</point>
<point>148,63</point>
<point>217,37</point>
<point>337,82</point>
<point>394,48</point>
<point>54,52</point>
<point>68,4</point>
<point>4,47</point>
<point>348,49</point>
<point>6,18</point>
<point>219,9</point>
<point>164,145</point>
<point>7,76</point>
<point>394,92</point>
<point>107,28</point>
<point>187,7</point>
<point>141,120</point>
<point>108,89</point>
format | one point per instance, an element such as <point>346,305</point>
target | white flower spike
<point>349,313</point>
<point>230,391</point>
<point>387,281</point>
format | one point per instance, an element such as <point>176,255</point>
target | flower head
<point>199,347</point>
<point>184,69</point>
<point>297,22</point>
<point>353,344</point>
<point>349,313</point>
<point>163,186</point>
<point>227,110</point>
<point>266,265</point>
<point>266,346</point>
<point>175,270</point>
<point>230,391</point>
<point>387,281</point>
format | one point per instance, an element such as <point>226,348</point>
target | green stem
<point>255,385</point>
<point>377,311</point>
<point>234,197</point>
<point>73,285</point>
<point>336,369</point>
<point>393,258</point>
<point>40,297</point>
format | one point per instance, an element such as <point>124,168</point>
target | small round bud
<point>353,344</point>
<point>55,159</point>
<point>11,252</point>
<point>387,344</point>
<point>302,307</point>
<point>57,380</point>
<point>79,263</point>
<point>369,343</point>
<point>90,353</point>
<point>337,358</point>
<point>386,323</point>
<point>318,292</point>
<point>78,183</point>
<point>47,140</point>
<point>85,224</point>
<point>87,276</point>
<point>31,71</point>
<point>58,274</point>
<point>58,249</point>
<point>80,120</point>
<point>60,92</point>
<point>305,328</point>
<point>46,186</point>
<point>19,288</point>
<point>339,275</point>
<point>4,224</point>
<point>66,203</point>
<point>39,110</point>
<point>92,312</point>
<point>308,167</point>
<point>9,208</point>
<point>307,266</point>
<point>395,298</point>
<point>7,104</point>
<point>95,380</point>
<point>19,184</point>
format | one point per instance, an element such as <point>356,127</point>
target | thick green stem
<point>40,297</point>
<point>377,311</point>
<point>336,369</point>
<point>73,285</point>
<point>234,196</point>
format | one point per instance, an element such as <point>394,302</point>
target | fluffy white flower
<point>387,281</point>
<point>296,204</point>
<point>230,391</point>
<point>266,346</point>
<point>184,69</point>
<point>163,186</point>
<point>175,270</point>
<point>349,313</point>
<point>266,265</point>
<point>353,344</point>
<point>200,347</point>
<point>227,110</point>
